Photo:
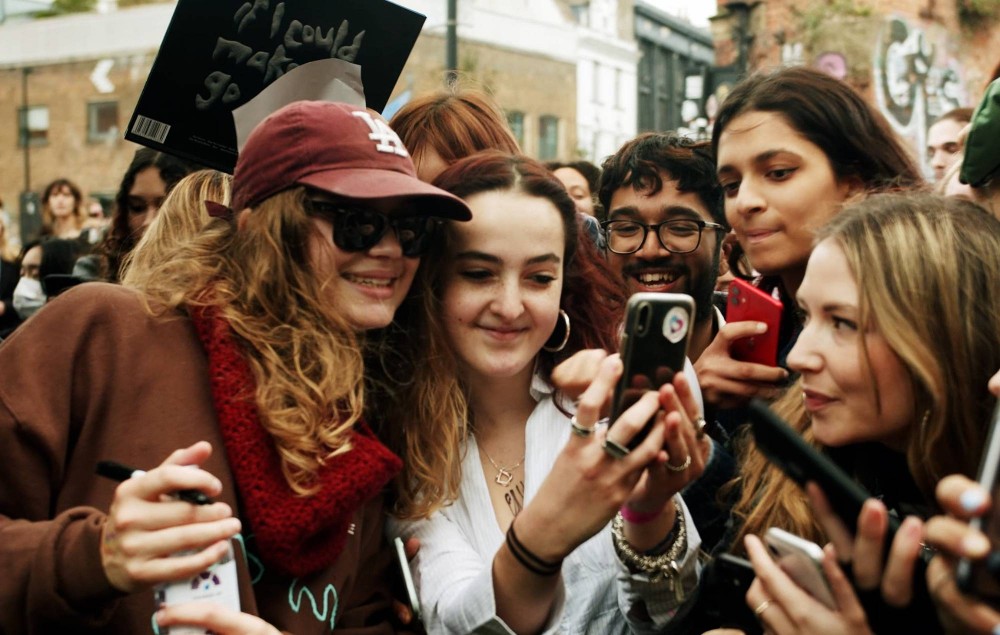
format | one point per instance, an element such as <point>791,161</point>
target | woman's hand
<point>687,449</point>
<point>954,538</point>
<point>785,608</point>
<point>587,483</point>
<point>728,383</point>
<point>865,547</point>
<point>214,618</point>
<point>146,525</point>
<point>574,375</point>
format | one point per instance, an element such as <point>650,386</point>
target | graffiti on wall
<point>915,81</point>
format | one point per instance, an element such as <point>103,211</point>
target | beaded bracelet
<point>657,567</point>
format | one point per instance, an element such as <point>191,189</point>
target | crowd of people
<point>416,334</point>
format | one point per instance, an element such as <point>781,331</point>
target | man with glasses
<point>663,233</point>
<point>665,223</point>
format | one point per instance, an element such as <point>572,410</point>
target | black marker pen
<point>119,472</point>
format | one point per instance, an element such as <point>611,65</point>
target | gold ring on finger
<point>683,466</point>
<point>763,606</point>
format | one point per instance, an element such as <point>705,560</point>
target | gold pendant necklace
<point>504,474</point>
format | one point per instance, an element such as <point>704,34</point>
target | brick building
<point>80,77</point>
<point>914,59</point>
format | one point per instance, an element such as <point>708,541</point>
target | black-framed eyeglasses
<point>678,236</point>
<point>359,228</point>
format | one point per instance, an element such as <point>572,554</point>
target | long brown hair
<point>857,140</point>
<point>591,297</point>
<point>927,269</point>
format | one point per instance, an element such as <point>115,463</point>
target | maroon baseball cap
<point>337,148</point>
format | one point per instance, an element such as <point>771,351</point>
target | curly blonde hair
<point>304,355</point>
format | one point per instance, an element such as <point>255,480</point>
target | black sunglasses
<point>359,228</point>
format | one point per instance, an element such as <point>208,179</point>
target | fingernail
<point>996,630</point>
<point>761,327</point>
<point>972,499</point>
<point>975,545</point>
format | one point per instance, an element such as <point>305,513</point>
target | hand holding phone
<point>748,303</point>
<point>722,601</point>
<point>654,348</point>
<point>801,462</point>
<point>802,561</point>
<point>982,578</point>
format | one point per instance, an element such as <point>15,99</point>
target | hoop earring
<point>552,348</point>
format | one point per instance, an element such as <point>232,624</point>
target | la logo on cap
<point>385,138</point>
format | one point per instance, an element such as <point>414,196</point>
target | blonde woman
<point>235,367</point>
<point>899,341</point>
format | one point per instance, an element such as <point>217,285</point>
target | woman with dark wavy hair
<point>791,147</point>
<point>145,185</point>
<point>528,544</point>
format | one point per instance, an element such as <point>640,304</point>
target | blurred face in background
<point>943,145</point>
<point>578,188</point>
<point>144,200</point>
<point>62,202</point>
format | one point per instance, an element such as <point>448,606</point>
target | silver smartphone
<point>802,560</point>
<point>404,570</point>
<point>982,578</point>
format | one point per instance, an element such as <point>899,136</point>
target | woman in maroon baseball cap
<point>235,370</point>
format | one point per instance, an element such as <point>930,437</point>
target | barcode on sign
<point>150,129</point>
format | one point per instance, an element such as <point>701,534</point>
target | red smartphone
<point>747,302</point>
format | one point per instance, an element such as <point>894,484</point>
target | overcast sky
<point>696,11</point>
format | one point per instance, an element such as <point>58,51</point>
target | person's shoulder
<point>97,298</point>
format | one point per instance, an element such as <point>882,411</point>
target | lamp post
<point>451,43</point>
<point>25,132</point>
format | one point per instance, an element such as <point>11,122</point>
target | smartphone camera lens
<point>642,319</point>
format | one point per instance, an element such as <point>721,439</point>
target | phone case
<point>802,560</point>
<point>723,601</point>
<point>801,462</point>
<point>219,584</point>
<point>981,578</point>
<point>654,347</point>
<point>748,303</point>
<point>407,575</point>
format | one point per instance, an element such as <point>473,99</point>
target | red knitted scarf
<point>295,535</point>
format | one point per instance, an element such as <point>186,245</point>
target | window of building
<point>548,137</point>
<point>515,119</point>
<point>33,125</point>
<point>102,120</point>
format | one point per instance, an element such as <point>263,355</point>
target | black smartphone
<point>982,578</point>
<point>801,462</point>
<point>727,580</point>
<point>654,347</point>
<point>404,570</point>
